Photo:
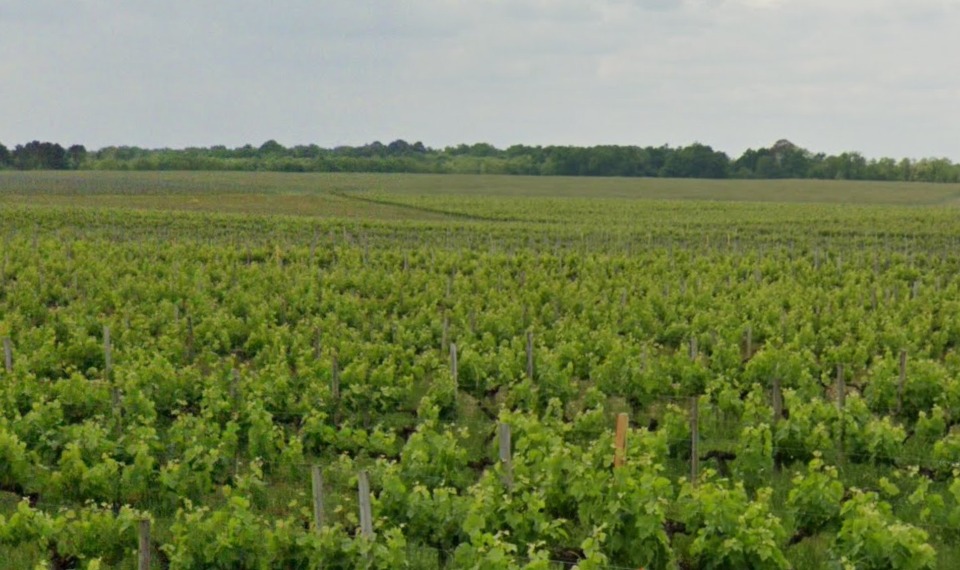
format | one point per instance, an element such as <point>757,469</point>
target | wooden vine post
<point>235,389</point>
<point>366,513</point>
<point>316,480</point>
<point>143,552</point>
<point>620,441</point>
<point>454,368</point>
<point>841,404</point>
<point>694,440</point>
<point>530,355</point>
<point>506,457</point>
<point>107,353</point>
<point>445,337</point>
<point>777,399</point>
<point>7,355</point>
<point>902,381</point>
<point>335,378</point>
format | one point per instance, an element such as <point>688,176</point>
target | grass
<point>588,204</point>
<point>27,187</point>
<point>313,205</point>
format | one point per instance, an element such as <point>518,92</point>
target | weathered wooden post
<point>316,479</point>
<point>902,381</point>
<point>530,355</point>
<point>506,457</point>
<point>620,441</point>
<point>366,513</point>
<point>841,404</point>
<point>445,338</point>
<point>335,379</point>
<point>454,367</point>
<point>107,352</point>
<point>841,388</point>
<point>143,558</point>
<point>694,440</point>
<point>777,398</point>
<point>7,355</point>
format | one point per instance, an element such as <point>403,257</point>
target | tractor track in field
<point>455,215</point>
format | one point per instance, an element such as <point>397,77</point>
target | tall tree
<point>272,147</point>
<point>696,161</point>
<point>38,155</point>
<point>76,154</point>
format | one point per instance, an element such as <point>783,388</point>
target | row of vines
<point>242,351</point>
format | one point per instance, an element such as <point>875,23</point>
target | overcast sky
<point>876,76</point>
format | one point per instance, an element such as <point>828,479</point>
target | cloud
<point>731,73</point>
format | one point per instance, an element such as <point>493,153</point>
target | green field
<point>263,324</point>
<point>34,184</point>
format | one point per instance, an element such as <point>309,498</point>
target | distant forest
<point>781,160</point>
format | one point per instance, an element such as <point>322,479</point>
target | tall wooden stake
<point>620,441</point>
<point>530,355</point>
<point>107,352</point>
<point>506,457</point>
<point>190,338</point>
<point>841,404</point>
<point>366,513</point>
<point>143,558</point>
<point>446,334</point>
<point>316,479</point>
<point>7,355</point>
<point>777,398</point>
<point>335,379</point>
<point>454,368</point>
<point>841,388</point>
<point>903,380</point>
<point>694,440</point>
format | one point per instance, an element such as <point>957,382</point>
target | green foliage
<point>875,439</point>
<point>754,451</point>
<point>946,453</point>
<point>91,534</point>
<point>816,496</point>
<point>870,537</point>
<point>228,537</point>
<point>15,464</point>
<point>923,385</point>
<point>781,160</point>
<point>435,457</point>
<point>731,530</point>
<point>221,396</point>
<point>809,428</point>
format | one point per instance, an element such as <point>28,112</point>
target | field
<point>236,357</point>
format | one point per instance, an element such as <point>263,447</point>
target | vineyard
<point>460,379</point>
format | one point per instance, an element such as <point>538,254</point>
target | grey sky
<point>878,76</point>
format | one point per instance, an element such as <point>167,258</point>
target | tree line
<point>781,160</point>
